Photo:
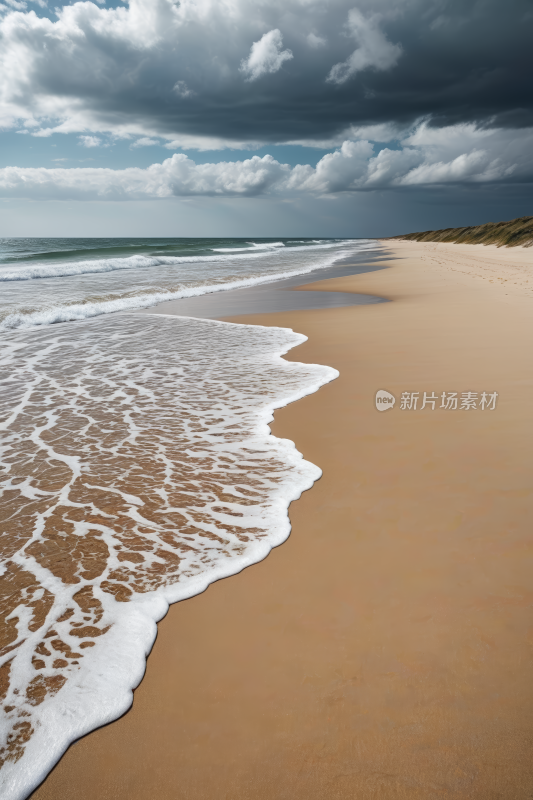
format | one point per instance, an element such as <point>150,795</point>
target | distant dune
<point>515,233</point>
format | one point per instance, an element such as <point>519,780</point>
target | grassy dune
<point>515,233</point>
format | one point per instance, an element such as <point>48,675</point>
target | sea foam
<point>137,468</point>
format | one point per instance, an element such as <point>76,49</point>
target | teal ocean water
<point>45,281</point>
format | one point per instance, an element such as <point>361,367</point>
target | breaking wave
<point>67,269</point>
<point>54,312</point>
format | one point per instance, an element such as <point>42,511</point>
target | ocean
<point>45,281</point>
<point>136,463</point>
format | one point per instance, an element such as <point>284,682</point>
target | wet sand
<point>385,650</point>
<point>280,295</point>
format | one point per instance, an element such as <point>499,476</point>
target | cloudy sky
<point>263,117</point>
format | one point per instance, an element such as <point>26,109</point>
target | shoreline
<point>384,650</point>
<point>282,294</point>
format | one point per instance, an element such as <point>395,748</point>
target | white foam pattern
<point>137,467</point>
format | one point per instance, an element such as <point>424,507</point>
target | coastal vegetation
<point>515,233</point>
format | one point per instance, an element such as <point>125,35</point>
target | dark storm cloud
<point>243,71</point>
<point>444,83</point>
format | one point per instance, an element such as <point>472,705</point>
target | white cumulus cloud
<point>461,154</point>
<point>265,56</point>
<point>177,176</point>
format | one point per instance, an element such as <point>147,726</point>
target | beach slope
<point>385,651</point>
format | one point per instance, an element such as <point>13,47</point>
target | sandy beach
<point>385,651</point>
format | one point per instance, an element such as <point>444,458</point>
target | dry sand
<point>385,650</point>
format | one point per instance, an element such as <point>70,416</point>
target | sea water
<point>43,281</point>
<point>137,465</point>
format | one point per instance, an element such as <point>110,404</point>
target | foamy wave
<point>68,269</point>
<point>94,266</point>
<point>29,273</point>
<point>70,312</point>
<point>253,245</point>
<point>139,468</point>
